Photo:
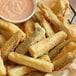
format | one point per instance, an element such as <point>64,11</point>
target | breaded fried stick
<point>2,67</point>
<point>19,70</point>
<point>11,44</point>
<point>58,49</point>
<point>37,35</point>
<point>61,62</point>
<point>45,24</point>
<point>50,16</point>
<point>38,64</point>
<point>29,28</point>
<point>2,40</point>
<point>47,44</point>
<point>8,29</point>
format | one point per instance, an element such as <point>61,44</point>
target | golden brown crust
<point>8,29</point>
<point>38,64</point>
<point>11,44</point>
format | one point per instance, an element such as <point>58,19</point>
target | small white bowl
<point>20,21</point>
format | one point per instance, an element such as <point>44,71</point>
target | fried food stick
<point>59,7</point>
<point>46,44</point>
<point>2,40</point>
<point>8,29</point>
<point>29,28</point>
<point>37,26</point>
<point>38,64</point>
<point>45,57</point>
<point>19,70</point>
<point>2,67</point>
<point>37,35</point>
<point>69,48</point>
<point>61,62</point>
<point>74,53</point>
<point>53,53</point>
<point>50,16</point>
<point>45,24</point>
<point>11,44</point>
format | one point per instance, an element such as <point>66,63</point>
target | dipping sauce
<point>16,9</point>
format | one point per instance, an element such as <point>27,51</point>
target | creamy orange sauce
<point>16,9</point>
